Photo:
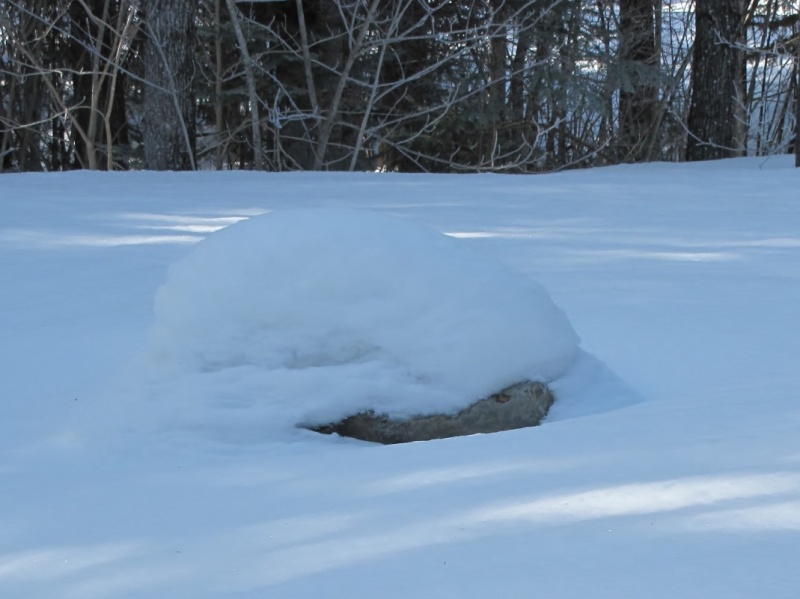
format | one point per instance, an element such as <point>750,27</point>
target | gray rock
<point>521,405</point>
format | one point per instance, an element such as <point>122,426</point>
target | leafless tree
<point>169,109</point>
<point>714,121</point>
<point>61,98</point>
<point>639,49</point>
<point>412,85</point>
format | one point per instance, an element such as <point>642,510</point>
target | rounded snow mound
<point>306,316</point>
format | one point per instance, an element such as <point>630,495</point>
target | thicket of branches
<point>411,85</point>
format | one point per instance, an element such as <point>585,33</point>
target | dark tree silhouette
<point>717,69</point>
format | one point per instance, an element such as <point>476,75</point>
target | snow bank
<point>305,316</point>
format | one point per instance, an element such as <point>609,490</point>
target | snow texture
<point>308,316</point>
<point>683,279</point>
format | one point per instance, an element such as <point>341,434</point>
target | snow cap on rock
<point>305,316</point>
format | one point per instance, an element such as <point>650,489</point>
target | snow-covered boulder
<point>305,317</point>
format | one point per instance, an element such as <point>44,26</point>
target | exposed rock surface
<point>521,405</point>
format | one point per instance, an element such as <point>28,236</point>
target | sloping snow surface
<point>143,454</point>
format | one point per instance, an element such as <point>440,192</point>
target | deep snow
<point>683,279</point>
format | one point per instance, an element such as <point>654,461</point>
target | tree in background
<point>169,97</point>
<point>100,31</point>
<point>513,86</point>
<point>29,100</point>
<point>715,117</point>
<point>772,63</point>
<point>62,94</point>
<point>639,54</point>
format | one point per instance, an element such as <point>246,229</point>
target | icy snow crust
<point>307,316</point>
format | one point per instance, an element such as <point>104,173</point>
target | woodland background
<point>511,86</point>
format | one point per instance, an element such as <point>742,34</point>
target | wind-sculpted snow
<point>303,316</point>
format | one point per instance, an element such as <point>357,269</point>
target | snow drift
<point>306,316</point>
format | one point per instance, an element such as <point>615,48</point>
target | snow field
<point>682,279</point>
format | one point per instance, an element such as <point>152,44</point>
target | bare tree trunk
<point>169,104</point>
<point>218,74</point>
<point>797,101</point>
<point>716,80</point>
<point>312,91</point>
<point>331,115</point>
<point>638,53</point>
<point>516,86</point>
<point>255,120</point>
